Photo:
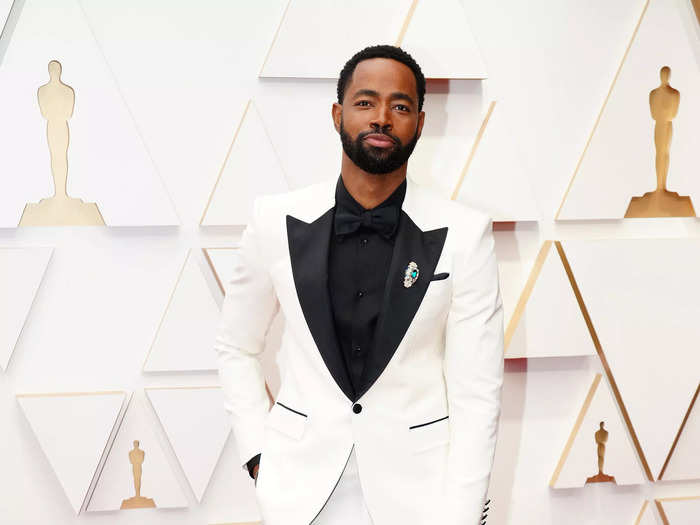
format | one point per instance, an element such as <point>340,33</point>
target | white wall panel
<point>116,480</point>
<point>21,273</point>
<point>197,428</point>
<point>108,163</point>
<point>619,163</point>
<point>73,430</point>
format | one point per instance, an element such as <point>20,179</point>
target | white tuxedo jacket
<point>424,425</point>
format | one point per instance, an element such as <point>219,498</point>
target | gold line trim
<point>165,312</point>
<point>603,360</point>
<point>662,512</point>
<point>73,394</point>
<point>680,431</point>
<point>477,141</point>
<point>406,23</point>
<point>602,109</point>
<point>574,431</point>
<point>679,498</point>
<point>201,387</point>
<point>527,291</point>
<point>205,251</point>
<point>274,38</point>
<point>223,166</point>
<point>641,512</point>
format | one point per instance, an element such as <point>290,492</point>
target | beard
<point>372,159</point>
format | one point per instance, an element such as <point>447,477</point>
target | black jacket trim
<point>428,423</point>
<point>291,409</point>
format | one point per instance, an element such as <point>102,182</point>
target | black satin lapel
<point>400,304</point>
<point>308,251</point>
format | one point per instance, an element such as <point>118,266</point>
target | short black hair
<point>382,51</point>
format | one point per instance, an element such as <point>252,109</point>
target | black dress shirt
<point>358,264</point>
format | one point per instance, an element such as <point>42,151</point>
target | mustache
<point>363,134</point>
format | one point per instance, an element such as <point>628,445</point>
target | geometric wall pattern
<point>683,461</point>
<point>188,325</point>
<point>495,163</point>
<point>73,430</point>
<point>618,163</point>
<point>196,428</point>
<point>116,481</point>
<point>632,289</point>
<point>530,332</point>
<point>436,33</point>
<point>108,163</point>
<point>251,168</point>
<point>148,101</point>
<point>580,460</point>
<point>21,273</point>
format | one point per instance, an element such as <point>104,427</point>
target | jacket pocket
<point>429,434</point>
<point>286,420</point>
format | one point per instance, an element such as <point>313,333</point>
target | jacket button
<point>357,408</point>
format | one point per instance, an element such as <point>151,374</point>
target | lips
<point>379,140</point>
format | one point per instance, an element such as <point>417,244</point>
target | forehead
<point>382,75</point>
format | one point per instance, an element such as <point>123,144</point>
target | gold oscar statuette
<point>56,102</point>
<point>663,102</point>
<point>136,457</point>
<point>601,437</point>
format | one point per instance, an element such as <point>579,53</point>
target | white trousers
<point>346,505</point>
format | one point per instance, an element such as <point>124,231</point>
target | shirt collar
<point>343,199</point>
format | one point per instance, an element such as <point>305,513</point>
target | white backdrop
<point>185,72</point>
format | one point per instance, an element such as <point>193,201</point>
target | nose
<point>381,117</point>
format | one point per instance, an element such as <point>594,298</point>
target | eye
<point>364,103</point>
<point>402,107</point>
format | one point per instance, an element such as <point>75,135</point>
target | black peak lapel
<point>400,304</point>
<point>308,251</point>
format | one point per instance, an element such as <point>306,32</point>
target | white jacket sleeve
<point>473,369</point>
<point>249,307</point>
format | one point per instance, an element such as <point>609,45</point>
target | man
<point>388,407</point>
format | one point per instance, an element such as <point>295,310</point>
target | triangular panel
<point>619,161</point>
<point>311,43</point>
<point>494,179</point>
<point>222,262</point>
<point>108,163</point>
<point>251,168</point>
<point>439,38</point>
<point>116,481</point>
<point>531,332</point>
<point>185,337</point>
<point>641,295</point>
<point>679,511</point>
<point>21,273</point>
<point>684,459</point>
<point>435,32</point>
<point>579,463</point>
<point>197,427</point>
<point>73,430</point>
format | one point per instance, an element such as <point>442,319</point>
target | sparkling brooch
<point>410,276</point>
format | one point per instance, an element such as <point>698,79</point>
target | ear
<point>337,113</point>
<point>421,121</point>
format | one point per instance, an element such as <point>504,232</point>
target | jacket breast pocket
<point>286,420</point>
<point>428,435</point>
<point>437,298</point>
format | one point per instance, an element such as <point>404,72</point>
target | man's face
<point>378,121</point>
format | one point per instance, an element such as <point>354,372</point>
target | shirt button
<point>357,408</point>
<point>360,293</point>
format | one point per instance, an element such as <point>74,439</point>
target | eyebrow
<point>397,95</point>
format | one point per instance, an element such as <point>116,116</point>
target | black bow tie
<point>383,220</point>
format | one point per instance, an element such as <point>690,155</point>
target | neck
<point>370,189</point>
